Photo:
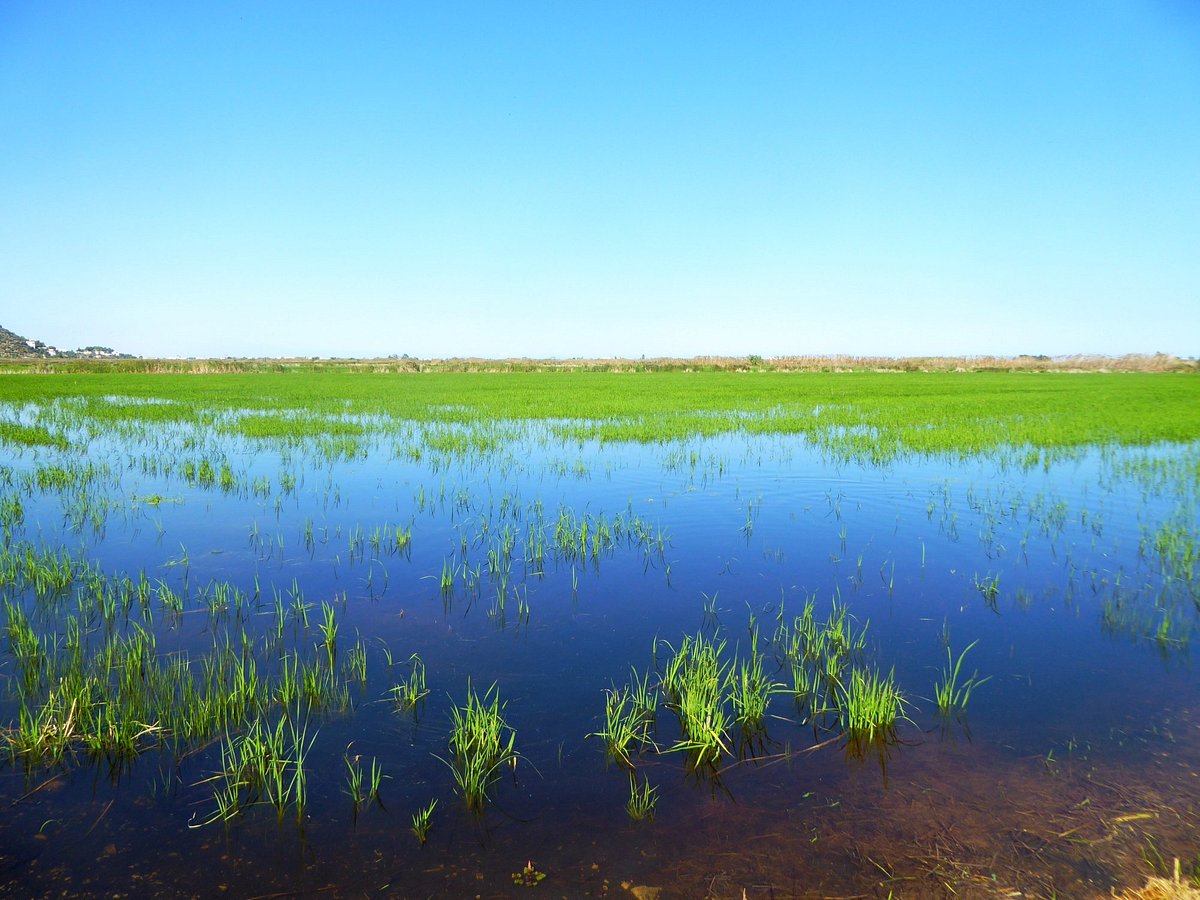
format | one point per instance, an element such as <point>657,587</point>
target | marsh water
<point>1071,771</point>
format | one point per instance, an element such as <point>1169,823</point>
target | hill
<point>13,346</point>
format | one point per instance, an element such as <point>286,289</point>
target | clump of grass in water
<point>819,654</point>
<point>256,766</point>
<point>449,573</point>
<point>361,790</point>
<point>642,799</point>
<point>481,742</point>
<point>694,681</point>
<point>44,735</point>
<point>750,690</point>
<point>989,589</point>
<point>422,819</point>
<point>12,513</point>
<point>868,706</point>
<point>329,630</point>
<point>629,714</point>
<point>407,694</point>
<point>951,696</point>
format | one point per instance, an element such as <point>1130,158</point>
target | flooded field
<point>591,637</point>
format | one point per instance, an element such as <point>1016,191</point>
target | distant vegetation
<point>86,360</point>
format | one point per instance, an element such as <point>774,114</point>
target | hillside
<point>14,346</point>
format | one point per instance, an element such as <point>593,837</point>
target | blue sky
<point>595,179</point>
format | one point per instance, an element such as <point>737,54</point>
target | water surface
<point>1072,771</point>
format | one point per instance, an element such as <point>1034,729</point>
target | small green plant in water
<point>869,705</point>
<point>694,681</point>
<point>361,790</point>
<point>629,715</point>
<point>257,767</point>
<point>528,876</point>
<point>989,589</point>
<point>642,799</point>
<point>421,821</point>
<point>407,694</point>
<point>329,630</point>
<point>750,690</point>
<point>481,743</point>
<point>951,696</point>
<point>449,573</point>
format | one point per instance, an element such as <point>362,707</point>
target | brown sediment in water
<point>969,824</point>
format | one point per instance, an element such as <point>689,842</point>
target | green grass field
<point>857,414</point>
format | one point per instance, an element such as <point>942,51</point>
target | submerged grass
<point>643,798</point>
<point>951,695</point>
<point>407,694</point>
<point>422,821</point>
<point>869,706</point>
<point>629,715</point>
<point>264,764</point>
<point>750,690</point>
<point>481,744</point>
<point>694,682</point>
<point>362,786</point>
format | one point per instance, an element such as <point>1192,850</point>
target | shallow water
<point>1073,770</point>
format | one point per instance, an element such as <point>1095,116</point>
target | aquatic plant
<point>749,689</point>
<point>329,629</point>
<point>408,693</point>
<point>262,764</point>
<point>528,876</point>
<point>481,743</point>
<point>869,705</point>
<point>449,573</point>
<point>694,682</point>
<point>629,714</point>
<point>989,589</point>
<point>642,799</point>
<point>362,788</point>
<point>951,696</point>
<point>422,820</point>
<point>819,654</point>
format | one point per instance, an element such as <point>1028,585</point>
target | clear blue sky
<point>601,178</point>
